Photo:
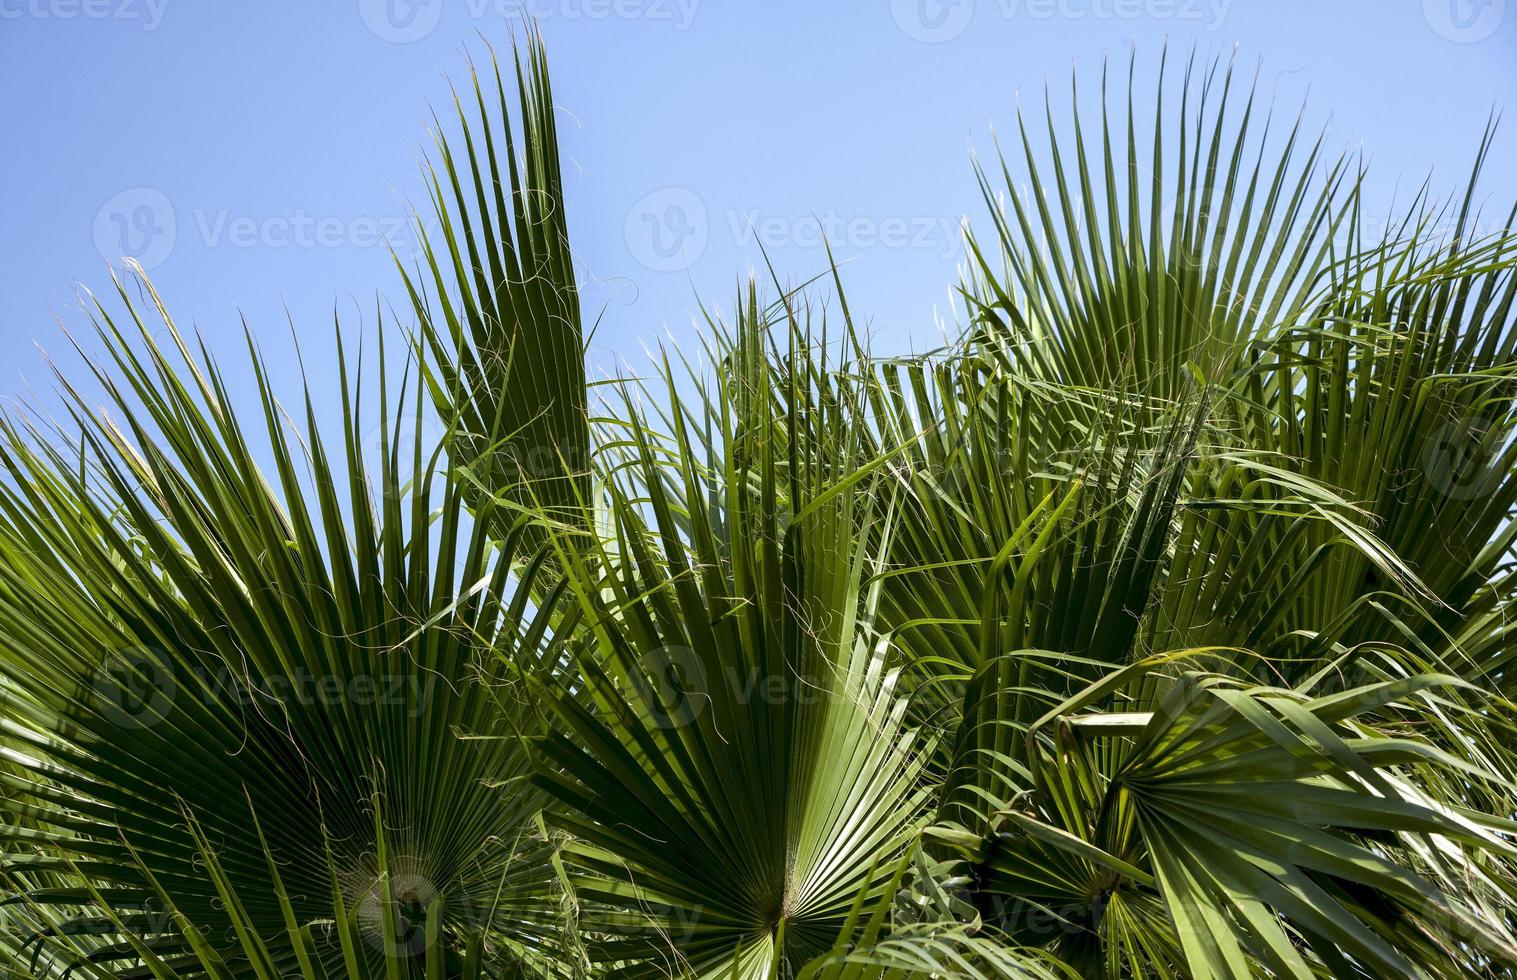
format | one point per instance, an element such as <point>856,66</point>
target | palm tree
<point>1157,626</point>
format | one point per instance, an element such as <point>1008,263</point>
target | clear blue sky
<point>261,151</point>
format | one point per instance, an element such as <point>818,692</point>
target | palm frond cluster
<point>1157,626</point>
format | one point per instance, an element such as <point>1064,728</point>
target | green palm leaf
<point>747,766</point>
<point>496,302</point>
<point>189,635</point>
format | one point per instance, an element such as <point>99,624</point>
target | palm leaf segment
<point>496,301</point>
